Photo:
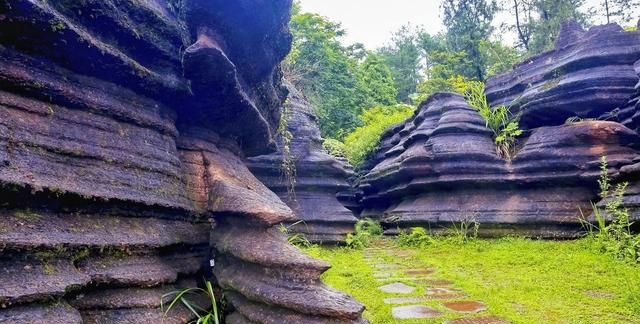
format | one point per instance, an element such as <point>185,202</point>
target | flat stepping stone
<point>404,300</point>
<point>420,299</point>
<point>383,275</point>
<point>397,288</point>
<point>386,266</point>
<point>442,291</point>
<point>413,272</point>
<point>469,307</point>
<point>478,320</point>
<point>437,282</point>
<point>414,311</point>
<point>400,279</point>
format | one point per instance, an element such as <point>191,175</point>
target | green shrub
<point>499,120</point>
<point>416,237</point>
<point>364,140</point>
<point>428,88</point>
<point>612,231</point>
<point>334,147</point>
<point>364,230</point>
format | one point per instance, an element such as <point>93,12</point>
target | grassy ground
<point>523,281</point>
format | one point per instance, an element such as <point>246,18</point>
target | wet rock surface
<point>320,179</point>
<point>124,127</point>
<point>442,167</point>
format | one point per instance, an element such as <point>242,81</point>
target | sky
<point>372,22</point>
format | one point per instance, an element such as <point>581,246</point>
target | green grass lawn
<point>523,281</point>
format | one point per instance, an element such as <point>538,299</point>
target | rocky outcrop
<point>318,180</point>
<point>443,169</point>
<point>123,128</point>
<point>629,115</point>
<point>587,74</point>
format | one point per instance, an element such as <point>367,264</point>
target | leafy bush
<point>427,88</point>
<point>499,120</point>
<point>364,140</point>
<point>369,226</point>
<point>416,237</point>
<point>612,231</point>
<point>204,316</point>
<point>364,230</point>
<point>334,147</point>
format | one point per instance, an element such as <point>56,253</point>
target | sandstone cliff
<point>440,167</point>
<point>319,177</point>
<point>123,128</point>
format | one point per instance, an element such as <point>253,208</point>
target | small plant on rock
<point>296,239</point>
<point>499,120</point>
<point>204,314</point>
<point>288,165</point>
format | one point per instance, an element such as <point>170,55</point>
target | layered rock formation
<point>319,177</point>
<point>443,168</point>
<point>123,127</point>
<point>587,74</point>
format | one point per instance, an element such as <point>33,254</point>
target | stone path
<point>404,283</point>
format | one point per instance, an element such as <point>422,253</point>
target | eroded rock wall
<point>123,129</point>
<point>319,178</point>
<point>587,74</point>
<point>441,167</point>
<point>444,169</point>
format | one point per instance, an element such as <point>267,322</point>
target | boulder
<point>444,169</point>
<point>587,74</point>
<point>319,180</point>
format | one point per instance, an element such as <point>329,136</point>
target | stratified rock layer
<point>587,74</point>
<point>123,129</point>
<point>443,168</point>
<point>318,178</point>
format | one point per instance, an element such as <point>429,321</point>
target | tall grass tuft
<point>203,316</point>
<point>612,228</point>
<point>499,120</point>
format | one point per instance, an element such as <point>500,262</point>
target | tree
<point>324,71</point>
<point>524,22</point>
<point>376,82</point>
<point>468,23</point>
<point>620,10</point>
<point>403,57</point>
<point>552,13</point>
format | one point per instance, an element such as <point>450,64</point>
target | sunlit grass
<point>524,281</point>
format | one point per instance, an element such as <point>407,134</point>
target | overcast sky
<point>371,22</point>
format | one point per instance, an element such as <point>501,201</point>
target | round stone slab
<point>397,288</point>
<point>466,306</point>
<point>478,320</point>
<point>414,311</point>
